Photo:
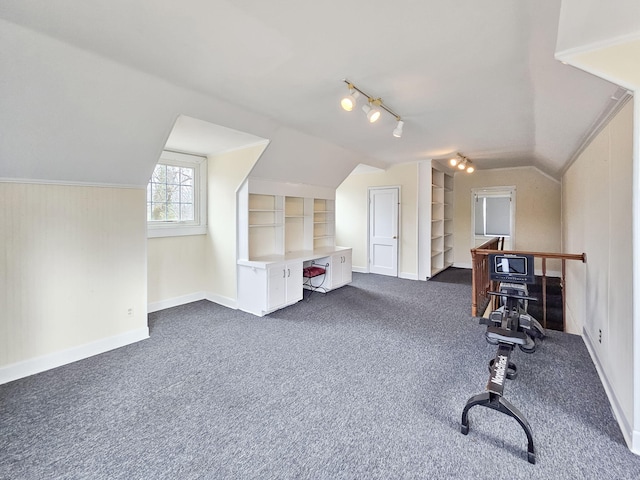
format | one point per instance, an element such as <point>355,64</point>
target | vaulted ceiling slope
<point>468,76</point>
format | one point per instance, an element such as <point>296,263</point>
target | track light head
<point>462,165</point>
<point>373,115</point>
<point>348,102</point>
<point>470,169</point>
<point>397,132</point>
<point>453,162</point>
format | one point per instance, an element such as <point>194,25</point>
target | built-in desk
<point>271,282</point>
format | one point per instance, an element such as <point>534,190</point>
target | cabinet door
<point>335,270</point>
<point>347,272</point>
<point>341,269</point>
<point>276,295</point>
<point>294,282</point>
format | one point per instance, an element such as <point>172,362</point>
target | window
<point>493,214</point>
<point>176,196</point>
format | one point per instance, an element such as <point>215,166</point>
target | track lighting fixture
<point>372,109</point>
<point>397,132</point>
<point>462,162</point>
<point>348,102</point>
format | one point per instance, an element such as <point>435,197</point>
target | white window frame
<point>198,226</point>
<point>507,191</point>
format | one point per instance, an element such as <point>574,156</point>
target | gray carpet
<point>366,382</point>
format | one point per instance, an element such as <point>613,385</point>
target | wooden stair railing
<point>480,275</point>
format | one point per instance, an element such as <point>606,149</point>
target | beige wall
<point>73,272</point>
<point>175,269</point>
<point>597,219</point>
<point>187,268</point>
<point>538,203</point>
<point>226,173</point>
<point>352,210</point>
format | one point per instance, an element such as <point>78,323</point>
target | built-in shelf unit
<point>438,219</point>
<point>324,222</point>
<point>278,235</point>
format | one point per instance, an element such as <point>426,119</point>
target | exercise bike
<point>508,326</point>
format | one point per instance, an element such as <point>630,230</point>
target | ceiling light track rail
<point>376,101</point>
<point>373,107</point>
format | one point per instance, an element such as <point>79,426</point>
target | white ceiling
<point>190,135</point>
<point>475,77</point>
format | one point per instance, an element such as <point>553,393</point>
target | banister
<point>481,284</point>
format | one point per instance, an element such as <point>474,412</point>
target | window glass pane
<point>498,216</point>
<point>173,211</point>
<point>186,194</point>
<point>158,211</point>
<point>173,175</point>
<point>159,174</point>
<point>187,212</point>
<point>172,193</point>
<point>186,176</point>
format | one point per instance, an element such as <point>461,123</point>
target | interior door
<point>383,230</point>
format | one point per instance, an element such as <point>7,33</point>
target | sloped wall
<point>73,117</point>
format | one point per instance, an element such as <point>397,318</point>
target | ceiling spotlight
<point>462,165</point>
<point>348,102</point>
<point>397,132</point>
<point>372,111</point>
<point>453,162</point>
<point>470,169</point>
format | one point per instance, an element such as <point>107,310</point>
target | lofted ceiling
<point>465,76</point>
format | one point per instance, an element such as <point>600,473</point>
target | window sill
<point>159,231</point>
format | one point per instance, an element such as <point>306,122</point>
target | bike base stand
<point>493,398</point>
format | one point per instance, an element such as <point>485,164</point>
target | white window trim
<point>497,192</point>
<point>199,225</point>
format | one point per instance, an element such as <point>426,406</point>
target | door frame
<point>399,244</point>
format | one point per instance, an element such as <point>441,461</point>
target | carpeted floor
<point>366,382</point>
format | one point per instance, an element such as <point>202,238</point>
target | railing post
<point>562,292</point>
<point>474,283</point>
<point>544,292</point>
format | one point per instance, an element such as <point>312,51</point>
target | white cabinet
<point>284,286</point>
<point>263,289</point>
<point>281,229</point>
<point>340,272</point>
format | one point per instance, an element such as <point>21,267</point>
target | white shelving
<point>277,236</point>
<point>441,221</point>
<point>324,222</point>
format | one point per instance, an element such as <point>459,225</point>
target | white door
<point>383,231</point>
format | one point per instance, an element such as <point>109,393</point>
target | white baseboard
<point>630,436</point>
<point>635,448</point>
<point>190,298</point>
<point>47,362</point>
<point>176,301</point>
<point>408,276</point>
<point>360,269</point>
<point>220,300</point>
